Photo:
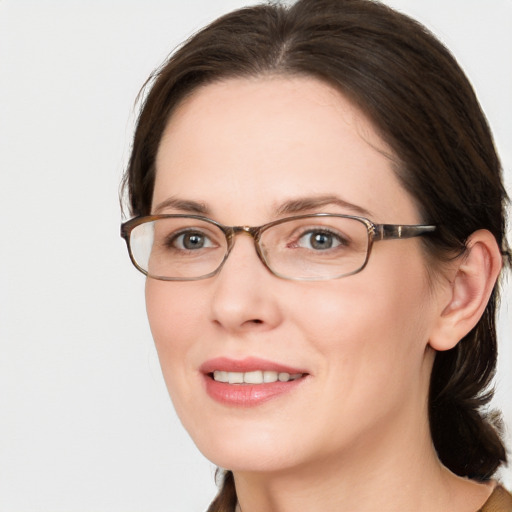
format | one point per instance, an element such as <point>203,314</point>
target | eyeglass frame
<point>376,232</point>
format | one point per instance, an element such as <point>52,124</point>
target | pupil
<point>321,241</point>
<point>194,241</point>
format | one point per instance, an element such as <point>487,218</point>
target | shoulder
<point>499,501</point>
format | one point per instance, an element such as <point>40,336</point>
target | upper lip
<point>248,364</point>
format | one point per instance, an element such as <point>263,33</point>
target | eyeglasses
<point>312,247</point>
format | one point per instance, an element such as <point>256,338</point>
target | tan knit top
<point>499,501</point>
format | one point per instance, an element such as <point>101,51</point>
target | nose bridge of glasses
<point>250,231</point>
<point>253,232</point>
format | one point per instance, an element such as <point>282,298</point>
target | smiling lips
<point>248,382</point>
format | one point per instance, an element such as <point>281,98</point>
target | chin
<point>247,449</point>
<point>250,460</point>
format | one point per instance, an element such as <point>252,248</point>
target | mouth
<point>249,382</point>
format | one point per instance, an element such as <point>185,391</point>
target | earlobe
<point>473,280</point>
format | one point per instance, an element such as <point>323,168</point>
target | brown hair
<point>424,108</point>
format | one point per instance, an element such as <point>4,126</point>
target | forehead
<point>262,141</point>
<point>292,106</point>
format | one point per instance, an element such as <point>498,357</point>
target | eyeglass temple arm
<point>394,231</point>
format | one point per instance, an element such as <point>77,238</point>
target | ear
<point>468,290</point>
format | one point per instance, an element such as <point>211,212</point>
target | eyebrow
<point>291,207</point>
<point>303,204</point>
<point>183,205</point>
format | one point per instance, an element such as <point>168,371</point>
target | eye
<point>190,241</point>
<point>321,240</point>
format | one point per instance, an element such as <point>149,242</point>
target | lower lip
<point>248,395</point>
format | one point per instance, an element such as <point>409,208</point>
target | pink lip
<point>247,395</point>
<point>249,364</point>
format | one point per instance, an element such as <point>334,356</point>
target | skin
<point>354,435</point>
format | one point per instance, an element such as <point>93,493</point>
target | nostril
<point>256,321</point>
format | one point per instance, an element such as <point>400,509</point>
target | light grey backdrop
<point>85,421</point>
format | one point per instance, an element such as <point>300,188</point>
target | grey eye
<point>319,240</point>
<point>190,241</point>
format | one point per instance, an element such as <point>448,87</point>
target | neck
<point>395,470</point>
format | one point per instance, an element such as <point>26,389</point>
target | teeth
<point>269,376</point>
<point>235,378</point>
<point>252,377</point>
<point>220,376</point>
<point>255,377</point>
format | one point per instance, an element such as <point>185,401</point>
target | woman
<point>340,358</point>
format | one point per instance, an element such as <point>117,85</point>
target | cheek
<point>173,315</point>
<point>379,309</point>
<point>373,326</point>
<point>177,317</point>
<point>171,308</point>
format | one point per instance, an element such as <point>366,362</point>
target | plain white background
<point>85,421</point>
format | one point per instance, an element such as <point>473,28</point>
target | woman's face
<point>247,152</point>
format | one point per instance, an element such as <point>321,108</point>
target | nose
<point>245,293</point>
